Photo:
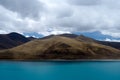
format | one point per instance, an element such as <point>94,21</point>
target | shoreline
<point>60,60</point>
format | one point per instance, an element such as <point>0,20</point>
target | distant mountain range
<point>63,46</point>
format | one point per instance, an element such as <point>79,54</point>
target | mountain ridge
<point>59,47</point>
<point>6,42</point>
<point>87,39</point>
<point>63,47</point>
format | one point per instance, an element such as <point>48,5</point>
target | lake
<point>11,70</point>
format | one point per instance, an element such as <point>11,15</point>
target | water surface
<point>10,70</point>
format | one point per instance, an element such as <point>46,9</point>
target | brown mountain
<point>59,47</point>
<point>69,35</point>
<point>63,35</point>
<point>11,40</point>
<point>87,39</point>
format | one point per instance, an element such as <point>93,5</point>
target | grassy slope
<point>60,48</point>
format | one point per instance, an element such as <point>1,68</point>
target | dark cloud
<point>26,8</point>
<point>85,2</point>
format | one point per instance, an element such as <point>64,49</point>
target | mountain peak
<point>13,33</point>
<point>62,35</point>
<point>17,37</point>
<point>69,35</point>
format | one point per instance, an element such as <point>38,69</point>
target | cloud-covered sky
<point>60,16</point>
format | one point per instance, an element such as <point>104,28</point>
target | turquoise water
<point>59,70</point>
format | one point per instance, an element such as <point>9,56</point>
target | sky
<point>95,18</point>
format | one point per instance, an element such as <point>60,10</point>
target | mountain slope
<point>87,39</point>
<point>11,40</point>
<point>112,44</point>
<point>58,47</point>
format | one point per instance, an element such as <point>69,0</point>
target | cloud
<point>60,16</point>
<point>26,8</point>
<point>84,2</point>
<point>112,40</point>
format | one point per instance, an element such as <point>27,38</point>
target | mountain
<point>59,47</point>
<point>69,35</point>
<point>63,35</point>
<point>87,39</point>
<point>112,44</point>
<point>11,40</point>
<point>73,36</point>
<point>31,38</point>
<point>47,37</point>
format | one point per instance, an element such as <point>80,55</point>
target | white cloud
<point>60,16</point>
<point>54,32</point>
<point>112,40</point>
